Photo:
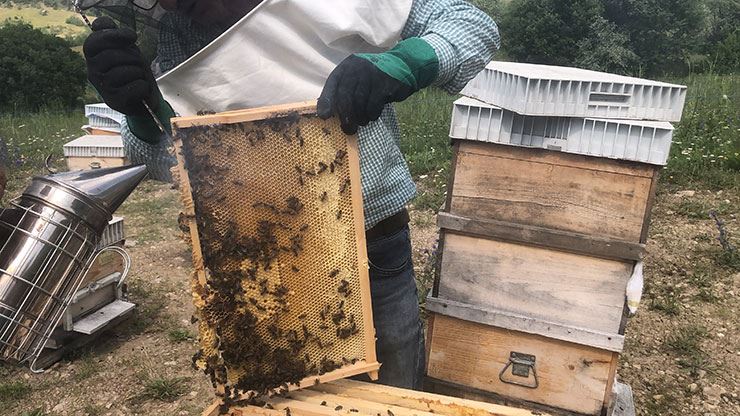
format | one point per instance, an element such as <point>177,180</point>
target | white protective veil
<point>281,52</point>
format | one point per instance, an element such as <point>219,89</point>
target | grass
<point>30,138</point>
<point>14,391</point>
<point>425,122</point>
<point>50,20</point>
<point>706,147</point>
<point>179,335</point>
<point>165,389</point>
<point>86,367</point>
<point>686,342</point>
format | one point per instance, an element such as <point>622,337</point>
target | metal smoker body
<point>48,241</point>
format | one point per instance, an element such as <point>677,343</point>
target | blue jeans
<point>398,327</point>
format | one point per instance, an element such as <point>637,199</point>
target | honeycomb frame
<point>276,259</point>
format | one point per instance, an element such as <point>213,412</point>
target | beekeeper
<point>356,56</point>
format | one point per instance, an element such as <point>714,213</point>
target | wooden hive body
<point>537,249</point>
<point>274,211</point>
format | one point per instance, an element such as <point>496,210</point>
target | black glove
<point>117,69</point>
<point>357,91</point>
<point>361,85</point>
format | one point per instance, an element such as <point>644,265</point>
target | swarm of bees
<point>254,339</point>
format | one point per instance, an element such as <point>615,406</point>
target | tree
<point>663,33</point>
<point>37,69</point>
<point>551,31</point>
<point>606,49</point>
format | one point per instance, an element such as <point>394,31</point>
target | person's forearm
<point>462,36</point>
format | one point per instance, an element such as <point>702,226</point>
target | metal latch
<point>521,364</point>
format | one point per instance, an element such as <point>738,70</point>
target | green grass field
<point>52,21</point>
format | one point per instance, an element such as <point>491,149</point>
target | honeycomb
<point>273,204</point>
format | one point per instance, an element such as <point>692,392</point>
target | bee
<point>338,408</point>
<point>344,288</point>
<point>238,182</point>
<point>299,136</point>
<point>332,167</point>
<point>339,214</point>
<point>326,131</point>
<point>334,273</point>
<point>322,167</point>
<point>344,186</point>
<point>324,196</point>
<point>294,269</point>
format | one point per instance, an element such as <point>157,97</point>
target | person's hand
<point>357,91</point>
<point>360,86</point>
<point>118,70</point>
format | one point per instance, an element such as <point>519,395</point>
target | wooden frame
<point>348,397</point>
<point>514,322</point>
<point>545,237</point>
<point>369,365</point>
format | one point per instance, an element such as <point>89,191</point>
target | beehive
<point>95,152</point>
<point>274,210</point>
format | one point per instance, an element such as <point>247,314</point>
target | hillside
<point>47,19</point>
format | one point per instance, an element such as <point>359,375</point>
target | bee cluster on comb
<point>274,212</point>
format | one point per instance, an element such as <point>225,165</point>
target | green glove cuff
<point>144,127</point>
<point>412,62</point>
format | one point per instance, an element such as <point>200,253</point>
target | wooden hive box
<point>95,152</point>
<point>274,211</point>
<point>354,398</point>
<point>537,249</point>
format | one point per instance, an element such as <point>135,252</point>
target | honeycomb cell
<point>277,228</point>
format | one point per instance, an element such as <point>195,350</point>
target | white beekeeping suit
<point>282,52</point>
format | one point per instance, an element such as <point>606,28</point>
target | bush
<point>663,33</point>
<point>549,31</point>
<point>74,21</point>
<point>38,69</point>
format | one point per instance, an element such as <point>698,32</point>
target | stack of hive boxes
<point>547,212</point>
<point>102,146</point>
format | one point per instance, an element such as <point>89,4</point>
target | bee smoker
<point>48,241</point>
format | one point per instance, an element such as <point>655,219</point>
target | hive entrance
<point>281,287</point>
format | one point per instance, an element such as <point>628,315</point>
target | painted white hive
<point>542,90</point>
<point>113,233</point>
<point>641,141</point>
<point>95,146</point>
<point>101,116</point>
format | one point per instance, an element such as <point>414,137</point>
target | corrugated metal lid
<point>91,140</point>
<point>561,73</point>
<point>636,140</point>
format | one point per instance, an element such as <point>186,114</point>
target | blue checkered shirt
<point>464,39</point>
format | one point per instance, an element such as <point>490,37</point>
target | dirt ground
<point>682,354</point>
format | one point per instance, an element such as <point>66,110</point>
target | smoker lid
<point>93,195</point>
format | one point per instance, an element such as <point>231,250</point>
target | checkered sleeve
<point>156,157</point>
<point>464,38</point>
